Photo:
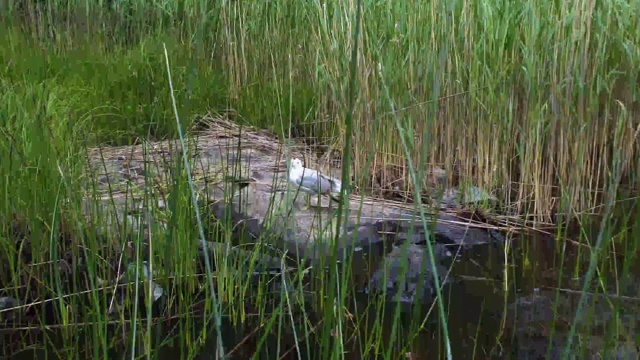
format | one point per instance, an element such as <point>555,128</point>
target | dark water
<point>486,318</point>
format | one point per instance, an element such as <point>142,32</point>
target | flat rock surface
<point>225,155</point>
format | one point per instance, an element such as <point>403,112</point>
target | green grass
<point>531,90</point>
<point>536,101</point>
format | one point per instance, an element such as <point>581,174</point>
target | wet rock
<point>531,318</point>
<point>453,230</point>
<point>444,229</point>
<point>406,274</point>
<point>7,302</point>
<point>7,311</point>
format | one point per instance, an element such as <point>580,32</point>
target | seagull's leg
<point>306,202</point>
<point>318,201</point>
<point>295,196</point>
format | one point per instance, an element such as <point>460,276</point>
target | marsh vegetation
<point>536,102</point>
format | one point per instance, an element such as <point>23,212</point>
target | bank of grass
<point>537,101</point>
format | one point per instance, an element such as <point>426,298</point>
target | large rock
<point>243,180</point>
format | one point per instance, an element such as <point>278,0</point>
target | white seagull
<point>311,181</point>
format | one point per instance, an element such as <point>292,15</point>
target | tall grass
<point>532,92</point>
<point>537,101</point>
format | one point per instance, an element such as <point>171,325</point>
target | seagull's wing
<point>314,181</point>
<point>335,184</point>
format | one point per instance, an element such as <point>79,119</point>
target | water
<point>486,318</point>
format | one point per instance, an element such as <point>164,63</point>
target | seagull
<point>311,181</point>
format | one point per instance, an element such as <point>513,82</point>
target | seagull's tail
<point>334,198</point>
<point>336,186</point>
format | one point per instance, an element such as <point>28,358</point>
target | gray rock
<point>7,311</point>
<point>470,195</point>
<point>7,302</point>
<point>263,208</point>
<point>530,317</point>
<point>406,275</point>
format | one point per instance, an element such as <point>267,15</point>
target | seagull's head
<point>296,163</point>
